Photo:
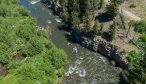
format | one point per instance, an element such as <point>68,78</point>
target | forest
<point>26,50</point>
<point>81,14</point>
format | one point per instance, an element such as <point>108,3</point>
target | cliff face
<point>102,46</point>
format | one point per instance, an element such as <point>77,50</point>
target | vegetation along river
<point>85,67</point>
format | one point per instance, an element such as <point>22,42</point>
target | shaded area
<point>68,34</point>
<point>65,27</point>
<point>103,17</point>
<point>69,38</point>
<point>106,36</point>
<point>19,57</point>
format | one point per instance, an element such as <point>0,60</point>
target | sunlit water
<point>85,67</point>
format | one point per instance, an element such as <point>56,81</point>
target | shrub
<point>132,6</point>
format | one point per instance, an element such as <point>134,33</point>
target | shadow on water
<point>103,17</point>
<point>70,39</point>
<point>122,80</point>
<point>68,35</point>
<point>65,27</point>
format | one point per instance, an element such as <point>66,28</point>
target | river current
<point>85,67</point>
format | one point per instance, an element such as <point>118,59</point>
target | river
<point>85,67</point>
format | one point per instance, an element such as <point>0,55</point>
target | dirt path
<point>125,12</point>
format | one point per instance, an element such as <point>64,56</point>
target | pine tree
<point>113,31</point>
<point>96,29</point>
<point>112,9</point>
<point>101,4</point>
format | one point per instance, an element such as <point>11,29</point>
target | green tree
<point>101,4</point>
<point>112,31</point>
<point>96,29</point>
<point>101,28</point>
<point>112,9</point>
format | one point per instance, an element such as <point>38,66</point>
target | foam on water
<point>71,69</point>
<point>58,20</point>
<point>102,59</point>
<point>34,2</point>
<point>49,22</point>
<point>50,13</point>
<point>79,61</point>
<point>82,72</point>
<point>49,6</point>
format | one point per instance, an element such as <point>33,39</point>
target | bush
<point>61,72</point>
<point>18,34</point>
<point>140,27</point>
<point>3,10</point>
<point>143,38</point>
<point>133,58</point>
<point>33,48</point>
<point>25,32</point>
<point>23,12</point>
<point>132,6</point>
<point>58,58</point>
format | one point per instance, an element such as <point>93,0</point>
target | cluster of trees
<point>43,62</point>
<point>113,8</point>
<point>77,12</point>
<point>81,14</point>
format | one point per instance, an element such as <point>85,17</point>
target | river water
<point>85,67</point>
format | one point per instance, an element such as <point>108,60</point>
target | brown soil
<point>19,57</point>
<point>140,9</point>
<point>3,70</point>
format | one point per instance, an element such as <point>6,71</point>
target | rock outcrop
<point>103,47</point>
<point>54,5</point>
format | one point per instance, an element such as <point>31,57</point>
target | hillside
<point>27,56</point>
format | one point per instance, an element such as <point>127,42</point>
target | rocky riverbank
<point>102,46</point>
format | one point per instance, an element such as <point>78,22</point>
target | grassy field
<point>140,7</point>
